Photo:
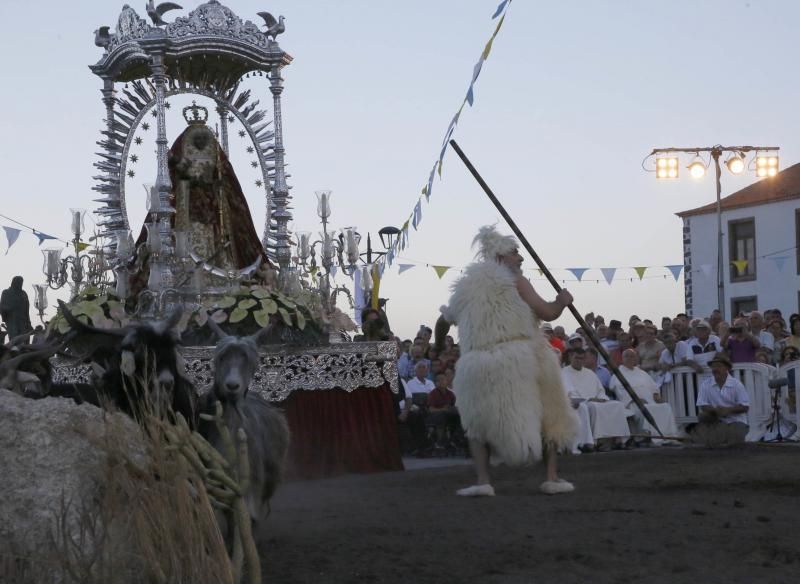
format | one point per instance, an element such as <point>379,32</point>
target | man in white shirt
<point>607,418</point>
<point>723,403</point>
<point>419,383</point>
<point>647,390</point>
<point>676,354</point>
<point>703,346</point>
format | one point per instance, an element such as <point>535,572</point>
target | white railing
<point>681,394</point>
<point>790,410</point>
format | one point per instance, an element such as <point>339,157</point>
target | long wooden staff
<point>587,329</point>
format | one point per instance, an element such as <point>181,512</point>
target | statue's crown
<point>195,114</point>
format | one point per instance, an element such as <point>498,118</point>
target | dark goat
<point>235,363</point>
<point>143,370</point>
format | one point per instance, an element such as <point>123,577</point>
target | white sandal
<point>556,487</point>
<point>476,491</point>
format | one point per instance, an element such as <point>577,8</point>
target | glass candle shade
<point>77,221</point>
<point>153,238</point>
<point>323,204</point>
<point>52,261</point>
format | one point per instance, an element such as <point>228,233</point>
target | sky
<point>572,98</point>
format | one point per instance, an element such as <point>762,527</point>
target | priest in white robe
<point>607,418</point>
<point>648,391</point>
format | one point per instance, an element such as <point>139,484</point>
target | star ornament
<point>134,158</point>
<point>242,133</point>
<point>259,183</point>
<point>138,140</point>
<point>254,164</point>
<point>131,173</point>
<point>145,126</point>
<point>250,150</point>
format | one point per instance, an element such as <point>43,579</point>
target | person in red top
<point>442,412</point>
<point>554,341</point>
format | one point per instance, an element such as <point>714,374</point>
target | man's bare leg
<point>553,485</point>
<point>480,458</point>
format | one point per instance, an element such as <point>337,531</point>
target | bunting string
<point>415,218</point>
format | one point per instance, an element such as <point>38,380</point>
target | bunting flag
<point>706,269</point>
<point>43,236</point>
<point>404,267</point>
<point>640,270</point>
<point>401,243</point>
<point>676,270</point>
<point>741,266</point>
<point>334,270</point>
<point>608,273</point>
<point>82,246</point>
<point>11,235</point>
<point>779,261</point>
<point>441,270</point>
<point>577,272</point>
<point>358,300</point>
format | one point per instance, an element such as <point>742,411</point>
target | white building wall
<point>775,231</point>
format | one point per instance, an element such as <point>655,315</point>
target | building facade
<point>760,259</point>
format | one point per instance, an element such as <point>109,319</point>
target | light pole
<point>667,167</point>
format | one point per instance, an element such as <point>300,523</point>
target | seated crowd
<point>646,354</point>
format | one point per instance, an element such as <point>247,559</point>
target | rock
<point>51,454</point>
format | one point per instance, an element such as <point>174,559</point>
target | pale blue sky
<point>573,96</point>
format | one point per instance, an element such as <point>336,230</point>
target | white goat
<point>235,363</point>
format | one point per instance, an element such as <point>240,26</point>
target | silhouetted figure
<point>15,309</point>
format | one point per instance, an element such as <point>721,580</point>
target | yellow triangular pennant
<point>376,285</point>
<point>640,271</point>
<point>741,265</point>
<point>487,49</point>
<point>440,270</point>
<point>82,246</point>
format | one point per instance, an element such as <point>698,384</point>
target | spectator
<point>560,333</point>
<point>793,340</point>
<point>420,382</point>
<point>757,329</point>
<point>637,333</point>
<point>442,413</point>
<point>675,354</point>
<point>723,403</point>
<point>740,345</point>
<point>592,363</point>
<point>623,342</point>
<point>607,417</point>
<point>647,391</point>
<point>407,364</point>
<point>703,344</point>
<point>714,319</point>
<point>649,350</point>
<point>554,341</point>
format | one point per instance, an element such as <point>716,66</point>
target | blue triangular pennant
<point>403,267</point>
<point>470,96</point>
<point>676,270</point>
<point>608,273</point>
<point>577,272</point>
<point>780,261</point>
<point>499,10</point>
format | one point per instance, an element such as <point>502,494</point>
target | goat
<point>235,363</point>
<point>130,355</point>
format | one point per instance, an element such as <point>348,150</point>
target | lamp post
<point>341,250</point>
<point>77,269</point>
<point>667,167</point>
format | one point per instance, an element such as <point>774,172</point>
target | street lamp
<point>666,167</point>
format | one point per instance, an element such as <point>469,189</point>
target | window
<point>742,239</point>
<point>743,305</point>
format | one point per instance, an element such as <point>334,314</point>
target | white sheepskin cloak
<point>508,381</point>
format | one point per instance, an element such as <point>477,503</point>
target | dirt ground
<point>660,515</point>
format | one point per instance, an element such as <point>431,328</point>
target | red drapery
<point>336,432</point>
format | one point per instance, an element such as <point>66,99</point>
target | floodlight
<point>766,165</point>
<point>697,168</point>
<point>735,163</point>
<point>666,167</point>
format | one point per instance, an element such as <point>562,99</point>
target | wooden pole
<point>586,328</point>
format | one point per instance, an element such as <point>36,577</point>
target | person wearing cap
<point>508,385</point>
<point>554,341</point>
<point>723,404</point>
<point>704,345</point>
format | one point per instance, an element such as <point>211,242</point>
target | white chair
<point>790,370</point>
<point>681,394</point>
<point>755,378</point>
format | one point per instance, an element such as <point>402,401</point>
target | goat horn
<point>78,325</point>
<point>221,334</point>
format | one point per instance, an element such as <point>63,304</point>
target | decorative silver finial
<point>156,12</point>
<point>198,117</point>
<point>102,38</point>
<point>274,27</point>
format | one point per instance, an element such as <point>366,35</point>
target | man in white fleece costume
<point>508,381</point>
